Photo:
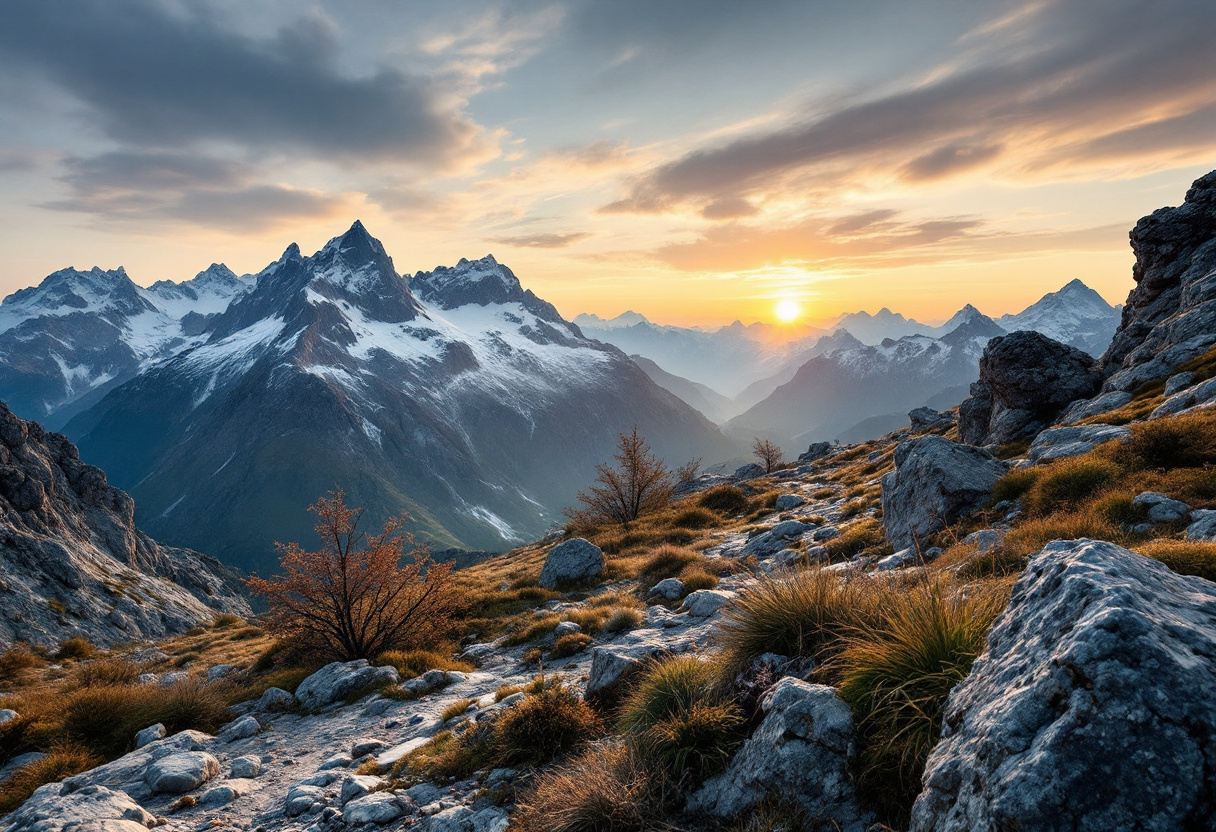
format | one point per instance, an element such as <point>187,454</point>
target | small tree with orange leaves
<point>639,484</point>
<point>359,595</point>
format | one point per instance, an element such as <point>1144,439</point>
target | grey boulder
<point>800,752</point>
<point>935,482</point>
<point>182,772</point>
<point>1203,526</point>
<point>338,680</point>
<point>1161,509</point>
<point>572,560</point>
<point>53,808</point>
<point>379,808</point>
<point>1091,709</point>
<point>1058,443</point>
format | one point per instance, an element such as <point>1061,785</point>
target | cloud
<point>874,240</point>
<point>154,78</point>
<point>1065,85</point>
<point>544,240</point>
<point>159,187</point>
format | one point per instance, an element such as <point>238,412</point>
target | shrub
<point>694,743</point>
<point>1014,484</point>
<point>61,761</point>
<point>226,621</point>
<point>769,454</point>
<point>17,661</point>
<point>533,629</point>
<point>638,485</point>
<point>803,614</point>
<point>1183,556</point>
<point>622,619</point>
<point>76,647</point>
<point>1067,482</point>
<point>666,562</point>
<point>897,674</point>
<point>550,724</point>
<point>724,499</point>
<point>98,672</point>
<point>855,539</point>
<point>356,598</point>
<point>603,790</point>
<point>695,518</point>
<point>680,719</point>
<point>104,719</point>
<point>1184,441</point>
<point>411,663</point>
<point>451,754</point>
<point>1117,508</point>
<point>695,577</point>
<point>456,709</point>
<point>570,644</point>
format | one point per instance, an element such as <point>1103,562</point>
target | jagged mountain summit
<point>1076,315</point>
<point>73,562</point>
<point>871,388</point>
<point>455,395</point>
<point>67,341</point>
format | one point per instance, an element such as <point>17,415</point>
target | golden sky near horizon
<point>698,162</point>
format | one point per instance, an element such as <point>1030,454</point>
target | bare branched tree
<point>769,454</point>
<point>689,471</point>
<point>359,595</point>
<point>639,484</point>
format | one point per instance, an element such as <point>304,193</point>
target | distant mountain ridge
<point>67,341</point>
<point>455,395</point>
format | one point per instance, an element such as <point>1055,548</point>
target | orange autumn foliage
<point>359,595</point>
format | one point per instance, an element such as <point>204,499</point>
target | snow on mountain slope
<point>68,340</point>
<point>1076,315</point>
<point>455,395</point>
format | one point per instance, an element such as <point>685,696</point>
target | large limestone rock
<point>800,752</point>
<point>55,808</point>
<point>67,537</point>
<point>572,560</point>
<point>1170,316</point>
<point>935,482</point>
<point>1092,709</point>
<point>181,772</point>
<point>1075,440</point>
<point>1026,379</point>
<point>339,680</point>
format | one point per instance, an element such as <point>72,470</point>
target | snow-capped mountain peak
<point>482,282</point>
<point>1075,315</point>
<point>70,292</point>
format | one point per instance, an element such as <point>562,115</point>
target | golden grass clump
<point>803,614</point>
<point>724,499</point>
<point>680,720</point>
<point>896,675</point>
<point>1186,557</point>
<point>105,719</point>
<point>602,790</point>
<point>569,644</point>
<point>63,760</point>
<point>411,663</point>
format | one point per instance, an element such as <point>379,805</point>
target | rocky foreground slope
<point>72,561</point>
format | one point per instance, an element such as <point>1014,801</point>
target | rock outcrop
<point>1026,379</point>
<point>1092,708</point>
<point>72,561</point>
<point>935,482</point>
<point>800,752</point>
<point>1170,316</point>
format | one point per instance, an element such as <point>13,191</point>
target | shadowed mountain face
<point>456,396</point>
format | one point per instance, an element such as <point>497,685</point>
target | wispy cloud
<point>544,240</point>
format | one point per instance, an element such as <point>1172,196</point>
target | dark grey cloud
<point>1022,93</point>
<point>151,76</point>
<point>544,240</point>
<point>157,187</point>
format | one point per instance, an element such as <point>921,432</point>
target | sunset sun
<point>788,310</point>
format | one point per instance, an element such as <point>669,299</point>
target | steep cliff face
<point>72,561</point>
<point>1170,316</point>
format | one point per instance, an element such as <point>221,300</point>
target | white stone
<point>182,772</point>
<point>705,602</point>
<point>338,680</point>
<point>149,735</point>
<point>379,808</point>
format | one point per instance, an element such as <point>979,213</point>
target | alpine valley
<point>225,405</point>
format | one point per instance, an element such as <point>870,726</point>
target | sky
<point>698,161</point>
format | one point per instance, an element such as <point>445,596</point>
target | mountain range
<point>857,382</point>
<point>456,396</point>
